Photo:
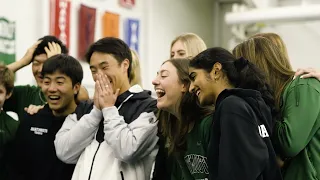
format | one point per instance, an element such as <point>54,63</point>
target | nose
<point>155,81</point>
<point>191,88</point>
<point>52,87</point>
<point>40,68</point>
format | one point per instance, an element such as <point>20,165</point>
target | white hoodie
<point>128,150</point>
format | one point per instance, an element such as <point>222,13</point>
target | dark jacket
<point>240,146</point>
<point>35,155</point>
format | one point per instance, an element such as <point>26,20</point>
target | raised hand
<point>107,97</point>
<point>54,49</point>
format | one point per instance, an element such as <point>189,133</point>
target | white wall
<point>160,22</point>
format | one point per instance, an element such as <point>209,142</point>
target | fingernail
<point>293,77</point>
<point>301,77</point>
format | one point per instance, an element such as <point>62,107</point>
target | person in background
<point>35,155</point>
<point>240,146</point>
<point>26,95</point>
<point>277,40</point>
<point>297,131</point>
<point>116,138</point>
<point>135,74</point>
<point>184,125</point>
<point>187,45</point>
<point>8,126</point>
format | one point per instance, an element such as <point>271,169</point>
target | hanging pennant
<point>87,21</point>
<point>60,20</point>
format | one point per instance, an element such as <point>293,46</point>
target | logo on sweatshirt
<point>197,164</point>
<point>263,131</point>
<point>38,131</point>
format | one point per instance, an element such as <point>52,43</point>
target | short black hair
<point>114,46</point>
<point>64,64</point>
<point>44,43</point>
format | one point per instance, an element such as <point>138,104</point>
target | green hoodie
<point>297,136</point>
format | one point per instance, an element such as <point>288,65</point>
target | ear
<point>184,88</point>
<point>8,95</point>
<point>216,71</point>
<point>125,64</point>
<point>76,88</point>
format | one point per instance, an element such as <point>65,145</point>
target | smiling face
<point>37,64</point>
<point>102,63</point>
<point>168,88</point>
<point>178,50</point>
<point>59,92</point>
<point>202,84</point>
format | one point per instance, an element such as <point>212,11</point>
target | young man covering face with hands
<point>115,137</point>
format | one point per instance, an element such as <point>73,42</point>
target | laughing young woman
<point>240,146</point>
<point>184,126</point>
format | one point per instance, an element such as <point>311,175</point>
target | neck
<point>66,111</point>
<point>221,87</point>
<point>125,86</point>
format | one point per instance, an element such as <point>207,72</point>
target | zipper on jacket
<point>122,177</point>
<point>93,161</point>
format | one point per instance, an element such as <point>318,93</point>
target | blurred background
<point>149,26</point>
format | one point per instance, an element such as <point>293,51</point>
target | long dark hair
<point>173,129</point>
<point>240,72</point>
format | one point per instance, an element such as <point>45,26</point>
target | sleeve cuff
<point>110,112</point>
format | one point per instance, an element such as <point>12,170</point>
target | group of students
<point>218,115</point>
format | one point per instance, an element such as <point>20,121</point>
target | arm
<point>300,122</point>
<point>25,60</point>
<point>130,141</point>
<point>74,136</point>
<point>242,152</point>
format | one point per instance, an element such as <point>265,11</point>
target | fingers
<point>312,74</point>
<point>33,109</point>
<point>117,92</point>
<point>303,72</point>
<point>51,48</point>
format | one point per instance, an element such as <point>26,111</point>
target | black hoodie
<point>240,146</point>
<point>35,155</point>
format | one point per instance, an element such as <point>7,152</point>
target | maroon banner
<point>87,21</point>
<point>60,20</point>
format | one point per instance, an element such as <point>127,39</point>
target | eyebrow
<point>100,64</point>
<point>162,71</point>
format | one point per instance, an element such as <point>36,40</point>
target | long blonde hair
<point>276,40</point>
<point>135,74</point>
<point>193,43</point>
<point>266,55</point>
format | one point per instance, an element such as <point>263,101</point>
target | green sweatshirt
<point>194,162</point>
<point>22,97</point>
<point>297,136</point>
<point>8,128</point>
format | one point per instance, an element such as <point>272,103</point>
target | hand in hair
<point>307,73</point>
<point>25,60</point>
<point>54,49</point>
<point>107,97</point>
<point>33,109</point>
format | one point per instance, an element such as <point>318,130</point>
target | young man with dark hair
<point>116,138</point>
<point>26,95</point>
<point>34,152</point>
<point>8,125</point>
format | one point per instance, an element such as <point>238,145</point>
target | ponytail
<point>251,77</point>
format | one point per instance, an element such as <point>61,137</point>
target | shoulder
<point>27,88</point>
<point>6,117</point>
<point>304,83</point>
<point>232,103</point>
<point>149,104</point>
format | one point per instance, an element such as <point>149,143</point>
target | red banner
<point>87,21</point>
<point>60,20</point>
<point>127,3</point>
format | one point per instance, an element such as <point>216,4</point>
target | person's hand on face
<point>27,58</point>
<point>107,97</point>
<point>96,96</point>
<point>54,49</point>
<point>307,73</point>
